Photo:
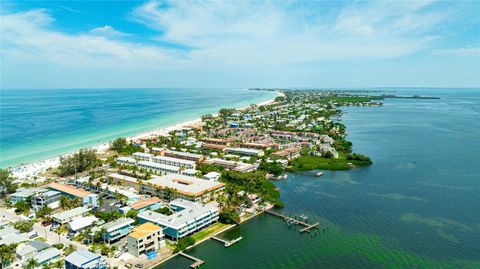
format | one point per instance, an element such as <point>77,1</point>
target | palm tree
<point>32,263</point>
<point>7,254</point>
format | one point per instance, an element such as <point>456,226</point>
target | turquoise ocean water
<point>417,206</point>
<point>37,124</point>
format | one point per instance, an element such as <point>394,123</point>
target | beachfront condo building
<point>117,229</point>
<point>183,155</point>
<point>189,218</point>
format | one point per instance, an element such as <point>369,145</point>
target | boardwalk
<point>307,227</point>
<point>197,261</point>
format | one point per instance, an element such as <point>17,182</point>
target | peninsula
<point>142,199</point>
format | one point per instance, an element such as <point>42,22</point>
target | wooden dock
<point>227,243</point>
<point>197,261</point>
<point>307,226</point>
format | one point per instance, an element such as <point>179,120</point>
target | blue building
<point>189,218</point>
<point>83,259</point>
<point>117,229</point>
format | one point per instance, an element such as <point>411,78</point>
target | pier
<point>307,226</point>
<point>227,243</point>
<point>197,261</point>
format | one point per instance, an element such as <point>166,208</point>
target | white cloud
<point>107,31</point>
<point>27,37</point>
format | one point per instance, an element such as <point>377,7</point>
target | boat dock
<point>307,226</point>
<point>197,261</point>
<point>227,243</point>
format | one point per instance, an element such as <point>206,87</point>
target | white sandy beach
<point>32,170</point>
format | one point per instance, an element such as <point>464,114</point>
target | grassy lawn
<point>209,231</point>
<point>307,163</point>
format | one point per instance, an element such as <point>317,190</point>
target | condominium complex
<point>190,217</point>
<point>183,155</point>
<point>186,187</point>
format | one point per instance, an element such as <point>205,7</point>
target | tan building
<point>145,239</point>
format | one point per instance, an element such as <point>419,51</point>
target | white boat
<point>319,174</point>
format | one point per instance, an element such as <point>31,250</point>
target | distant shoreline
<point>34,168</point>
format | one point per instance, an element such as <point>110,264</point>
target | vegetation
<point>82,160</point>
<point>6,183</point>
<point>307,163</point>
<point>164,210</point>
<point>44,213</point>
<point>359,158</point>
<point>207,168</point>
<point>229,216</point>
<point>183,244</point>
<point>208,231</point>
<point>7,254</point>
<point>121,145</point>
<point>69,203</point>
<point>23,206</point>
<point>108,216</point>
<point>24,226</point>
<point>69,249</point>
<point>274,168</point>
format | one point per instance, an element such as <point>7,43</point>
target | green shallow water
<point>417,206</point>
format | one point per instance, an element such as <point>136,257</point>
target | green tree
<point>184,243</point>
<point>118,144</point>
<point>7,254</point>
<point>32,263</point>
<point>229,216</point>
<point>6,183</point>
<point>23,226</point>
<point>69,249</point>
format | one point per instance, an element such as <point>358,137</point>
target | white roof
<point>142,154</point>
<point>171,159</point>
<point>185,184</point>
<point>122,177</point>
<point>70,213</point>
<point>254,151</point>
<point>117,224</point>
<point>80,223</point>
<point>159,166</point>
<point>47,254</point>
<point>187,154</point>
<point>192,211</point>
<point>126,159</point>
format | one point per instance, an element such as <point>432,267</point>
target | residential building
<point>117,229</point>
<point>81,223</point>
<point>190,217</point>
<point>184,155</point>
<point>147,204</point>
<point>27,251</point>
<point>48,198</point>
<point>69,215</point>
<point>22,195</point>
<point>174,162</point>
<point>145,239</point>
<point>158,168</point>
<point>212,176</point>
<point>86,197</point>
<point>141,156</point>
<point>47,256</point>
<point>186,187</point>
<point>83,259</point>
<point>127,160</point>
<point>245,151</point>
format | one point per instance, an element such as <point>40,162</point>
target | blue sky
<point>97,44</point>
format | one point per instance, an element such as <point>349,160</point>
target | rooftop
<point>119,223</point>
<point>81,258</point>
<point>70,213</point>
<point>81,193</point>
<point>191,211</point>
<point>144,230</point>
<point>144,203</point>
<point>186,185</point>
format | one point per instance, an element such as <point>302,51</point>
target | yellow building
<point>145,239</point>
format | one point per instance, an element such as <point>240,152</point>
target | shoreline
<point>33,169</point>
<point>209,237</point>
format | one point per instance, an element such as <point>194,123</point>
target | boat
<point>319,174</point>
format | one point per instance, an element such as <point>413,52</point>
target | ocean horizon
<point>44,123</point>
